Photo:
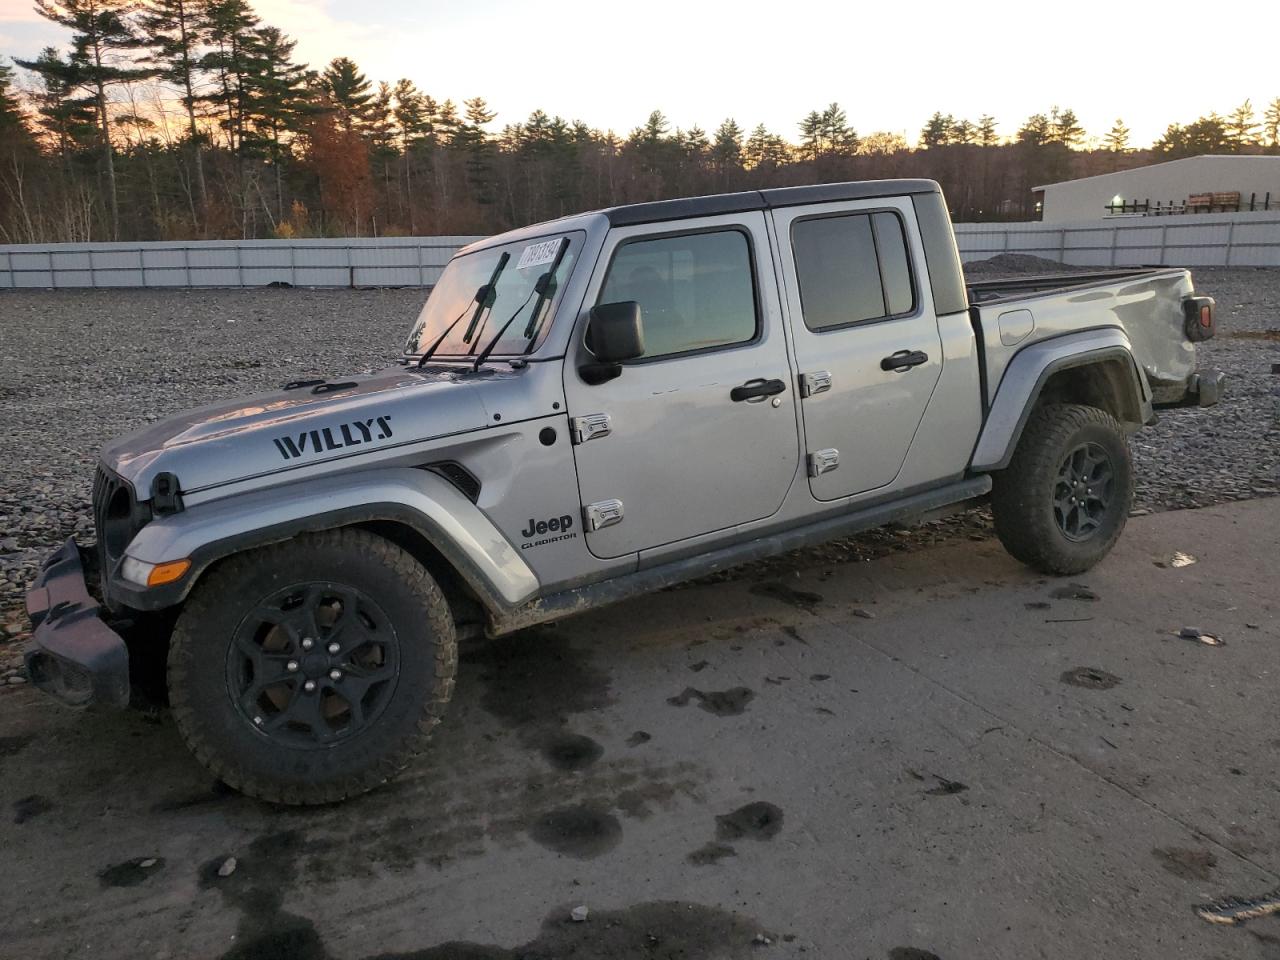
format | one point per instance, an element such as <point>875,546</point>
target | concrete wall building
<point>1208,184</point>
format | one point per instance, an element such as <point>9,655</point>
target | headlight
<point>143,574</point>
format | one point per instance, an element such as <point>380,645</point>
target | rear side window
<point>852,268</point>
<point>696,291</point>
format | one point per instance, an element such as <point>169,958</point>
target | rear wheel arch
<point>1108,383</point>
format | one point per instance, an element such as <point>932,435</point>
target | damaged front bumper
<point>73,654</point>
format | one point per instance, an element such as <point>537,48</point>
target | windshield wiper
<point>491,297</point>
<point>482,299</point>
<point>544,287</point>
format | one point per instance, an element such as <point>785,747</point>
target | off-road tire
<point>222,737</point>
<point>1022,496</point>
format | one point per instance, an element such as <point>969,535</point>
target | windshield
<point>452,303</point>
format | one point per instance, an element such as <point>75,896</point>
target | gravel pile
<point>1016,265</point>
<point>80,367</point>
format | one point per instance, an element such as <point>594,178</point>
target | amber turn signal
<point>164,573</point>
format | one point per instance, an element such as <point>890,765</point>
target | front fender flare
<point>454,525</point>
<point>1026,375</point>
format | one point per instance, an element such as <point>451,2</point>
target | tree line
<point>180,119</point>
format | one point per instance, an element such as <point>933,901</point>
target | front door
<point>700,433</point>
<point>867,347</point>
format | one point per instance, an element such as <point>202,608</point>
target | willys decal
<point>350,434</point>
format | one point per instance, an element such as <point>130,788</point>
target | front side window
<point>852,268</point>
<point>695,291</point>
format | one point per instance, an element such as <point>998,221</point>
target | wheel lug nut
<point>307,643</point>
<point>334,648</point>
<point>309,686</point>
<point>292,666</point>
<point>335,675</point>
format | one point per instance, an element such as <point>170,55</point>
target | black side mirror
<point>614,333</point>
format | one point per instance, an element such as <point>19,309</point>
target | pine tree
<point>67,119</point>
<point>1271,123</point>
<point>231,60</point>
<point>1241,127</point>
<point>987,136</point>
<point>173,31</point>
<point>13,125</point>
<point>962,131</point>
<point>764,149</point>
<point>1117,139</point>
<point>472,137</point>
<point>101,42</point>
<point>1065,128</point>
<point>937,130</point>
<point>726,146</point>
<point>350,93</point>
<point>839,136</point>
<point>811,135</point>
<point>1036,131</point>
<point>277,102</point>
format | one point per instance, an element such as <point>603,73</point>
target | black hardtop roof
<point>688,207</point>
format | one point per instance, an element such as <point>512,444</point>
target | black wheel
<point>1063,500</point>
<point>309,671</point>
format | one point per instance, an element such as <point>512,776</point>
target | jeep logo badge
<point>552,530</point>
<point>554,525</point>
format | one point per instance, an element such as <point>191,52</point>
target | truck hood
<point>292,428</point>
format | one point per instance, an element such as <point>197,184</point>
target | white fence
<point>1225,239</point>
<point>372,262</point>
<point>1195,240</point>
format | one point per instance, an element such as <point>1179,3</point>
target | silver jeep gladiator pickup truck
<point>586,410</point>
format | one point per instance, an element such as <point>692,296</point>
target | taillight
<point>1198,319</point>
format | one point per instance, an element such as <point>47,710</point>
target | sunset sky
<point>890,66</point>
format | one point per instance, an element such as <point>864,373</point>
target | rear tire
<point>1062,502</point>
<point>313,670</point>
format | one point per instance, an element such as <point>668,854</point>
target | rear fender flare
<point>419,499</point>
<point>1031,369</point>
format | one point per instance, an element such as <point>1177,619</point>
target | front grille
<point>117,517</point>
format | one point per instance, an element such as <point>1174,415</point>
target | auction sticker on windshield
<point>537,254</point>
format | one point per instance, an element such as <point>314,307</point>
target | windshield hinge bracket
<point>591,427</point>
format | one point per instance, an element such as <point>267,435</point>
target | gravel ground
<point>79,367</point>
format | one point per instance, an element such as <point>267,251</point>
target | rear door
<point>673,448</point>
<point>868,354</point>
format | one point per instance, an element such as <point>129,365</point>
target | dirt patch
<point>1074,591</point>
<point>911,953</point>
<point>755,821</point>
<point>131,873</point>
<point>1271,335</point>
<point>671,929</point>
<point>776,589</point>
<point>29,807</point>
<point>537,677</point>
<point>1187,863</point>
<point>639,737</point>
<point>710,853</point>
<point>946,788</point>
<point>12,745</point>
<point>1090,678</point>
<point>723,703</point>
<point>581,832</point>
<point>571,751</point>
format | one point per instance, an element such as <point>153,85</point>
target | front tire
<point>313,670</point>
<point>1061,504</point>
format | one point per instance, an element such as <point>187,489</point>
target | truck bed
<point>1007,288</point>
<point>1010,314</point>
